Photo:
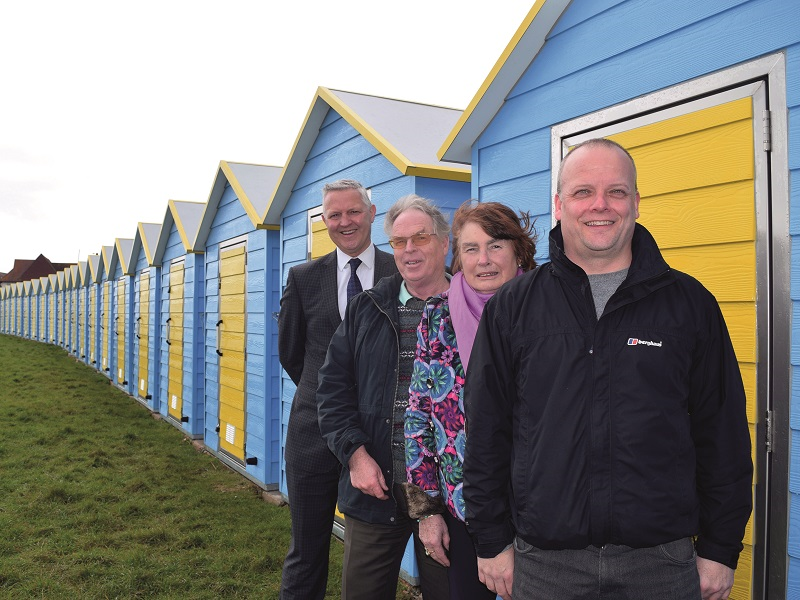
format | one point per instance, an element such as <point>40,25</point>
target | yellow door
<point>697,181</point>
<point>143,332</point>
<point>175,341</point>
<point>105,323</point>
<point>119,319</point>
<point>231,351</point>
<point>74,316</point>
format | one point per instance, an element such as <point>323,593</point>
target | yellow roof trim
<point>525,44</point>
<point>435,172</point>
<point>373,137</point>
<point>255,218</point>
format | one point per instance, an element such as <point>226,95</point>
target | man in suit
<point>312,307</point>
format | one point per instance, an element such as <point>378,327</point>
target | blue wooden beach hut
<point>123,313</point>
<point>706,96</point>
<point>61,308</point>
<point>242,257</point>
<point>146,301</point>
<point>106,357</point>
<point>74,310</point>
<point>84,279</point>
<point>93,331</point>
<point>182,305</point>
<point>52,302</point>
<point>390,147</point>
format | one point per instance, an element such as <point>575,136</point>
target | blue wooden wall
<point>604,52</point>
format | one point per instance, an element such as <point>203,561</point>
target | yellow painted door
<point>105,323</point>
<point>175,341</point>
<point>119,332</point>
<point>74,317</point>
<point>696,178</point>
<point>231,345</point>
<point>143,332</point>
<point>90,326</point>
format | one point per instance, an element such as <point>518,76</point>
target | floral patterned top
<point>434,420</point>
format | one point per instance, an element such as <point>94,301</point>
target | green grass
<point>99,500</point>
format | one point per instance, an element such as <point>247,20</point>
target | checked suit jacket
<point>307,320</point>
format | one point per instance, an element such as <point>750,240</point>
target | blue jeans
<point>665,572</point>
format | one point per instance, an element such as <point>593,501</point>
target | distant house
<point>26,270</point>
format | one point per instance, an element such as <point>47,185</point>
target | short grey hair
<point>346,184</point>
<point>603,142</point>
<point>413,202</point>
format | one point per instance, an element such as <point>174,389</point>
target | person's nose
<point>483,256</point>
<point>599,202</point>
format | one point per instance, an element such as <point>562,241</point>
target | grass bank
<point>99,500</point>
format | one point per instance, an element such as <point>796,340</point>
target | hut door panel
<point>697,180</point>
<point>143,332</point>
<point>119,331</point>
<point>175,341</point>
<point>231,340</point>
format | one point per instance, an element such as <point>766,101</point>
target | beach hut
<point>106,306</point>
<point>704,95</point>
<point>37,310</point>
<point>74,310</point>
<point>3,310</point>
<point>123,312</point>
<point>242,257</point>
<point>390,147</point>
<point>85,285</point>
<point>41,285</point>
<point>61,308</point>
<point>52,309</point>
<point>94,332</point>
<point>181,352</point>
<point>27,320</point>
<point>146,298</point>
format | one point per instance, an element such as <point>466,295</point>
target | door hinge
<point>767,122</point>
<point>768,433</point>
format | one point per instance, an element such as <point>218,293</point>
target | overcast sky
<point>110,109</point>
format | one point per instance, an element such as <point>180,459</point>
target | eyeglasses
<point>418,239</point>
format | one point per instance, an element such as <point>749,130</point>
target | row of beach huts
<point>704,93</point>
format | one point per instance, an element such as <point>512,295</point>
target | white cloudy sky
<point>110,109</point>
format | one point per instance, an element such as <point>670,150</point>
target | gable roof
<point>512,64</point>
<point>186,217</point>
<point>106,252</point>
<point>95,267</point>
<point>121,254</point>
<point>254,186</point>
<point>407,134</point>
<point>84,273</point>
<point>145,241</point>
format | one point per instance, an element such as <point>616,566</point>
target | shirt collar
<point>367,258</point>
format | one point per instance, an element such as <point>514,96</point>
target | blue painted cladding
<point>638,47</point>
<point>335,131</point>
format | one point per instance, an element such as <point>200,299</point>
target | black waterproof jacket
<point>629,429</point>
<point>356,392</point>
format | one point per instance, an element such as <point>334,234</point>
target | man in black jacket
<point>311,308</point>
<point>362,399</point>
<point>608,451</point>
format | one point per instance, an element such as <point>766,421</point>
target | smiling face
<point>486,263</point>
<point>422,267</point>
<point>348,220</point>
<point>598,206</point>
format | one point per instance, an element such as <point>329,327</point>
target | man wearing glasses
<point>362,398</point>
<point>312,307</point>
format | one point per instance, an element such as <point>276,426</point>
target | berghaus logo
<point>638,342</point>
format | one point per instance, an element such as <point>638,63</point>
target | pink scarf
<point>466,307</point>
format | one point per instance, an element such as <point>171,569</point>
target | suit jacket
<point>308,318</point>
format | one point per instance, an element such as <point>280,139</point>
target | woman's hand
<point>434,536</point>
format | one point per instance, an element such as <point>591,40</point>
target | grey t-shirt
<point>603,287</point>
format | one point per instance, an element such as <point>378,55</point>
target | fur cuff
<point>421,504</point>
